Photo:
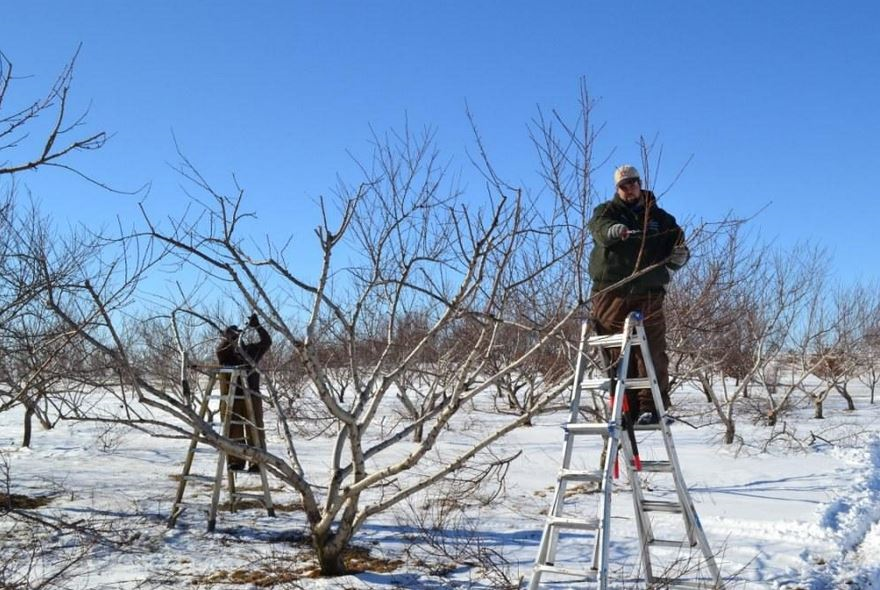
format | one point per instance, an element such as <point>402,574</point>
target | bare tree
<point>21,130</point>
<point>36,349</point>
<point>407,263</point>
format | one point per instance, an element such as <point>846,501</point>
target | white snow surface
<point>802,512</point>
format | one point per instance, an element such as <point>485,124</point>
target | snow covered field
<point>802,513</point>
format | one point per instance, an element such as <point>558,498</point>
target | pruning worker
<point>637,245</point>
<point>232,353</point>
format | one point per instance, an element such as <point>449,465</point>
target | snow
<point>794,515</point>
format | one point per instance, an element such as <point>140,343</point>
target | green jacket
<point>613,259</point>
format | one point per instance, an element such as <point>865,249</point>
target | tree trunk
<point>706,387</point>
<point>729,431</point>
<point>849,400</point>
<point>772,417</point>
<point>28,426</point>
<point>329,552</point>
<point>817,413</point>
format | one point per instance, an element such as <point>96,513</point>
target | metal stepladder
<point>237,382</point>
<point>619,436</point>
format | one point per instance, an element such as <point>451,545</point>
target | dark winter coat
<point>229,355</point>
<point>613,259</point>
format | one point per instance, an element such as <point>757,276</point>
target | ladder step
<point>609,341</point>
<point>657,466</point>
<point>201,478</point>
<point>675,584</point>
<point>594,475</point>
<point>589,524</point>
<point>643,427</point>
<point>661,506</point>
<point>603,383</point>
<point>565,571</point>
<point>191,505</point>
<point>668,543</point>
<point>249,496</point>
<point>594,428</point>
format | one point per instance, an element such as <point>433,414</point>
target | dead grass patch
<point>22,502</point>
<point>266,575</point>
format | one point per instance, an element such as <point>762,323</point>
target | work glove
<point>619,231</point>
<point>679,257</point>
<point>253,321</point>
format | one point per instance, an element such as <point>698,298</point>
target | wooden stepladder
<point>618,435</point>
<point>216,375</point>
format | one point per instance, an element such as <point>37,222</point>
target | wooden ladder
<point>235,375</point>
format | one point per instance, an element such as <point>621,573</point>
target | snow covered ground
<point>794,515</point>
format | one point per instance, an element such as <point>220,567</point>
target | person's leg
<point>609,313</point>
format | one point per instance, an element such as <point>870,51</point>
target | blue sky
<point>775,101</point>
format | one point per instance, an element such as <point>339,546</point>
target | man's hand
<point>619,231</point>
<point>253,321</point>
<point>679,257</point>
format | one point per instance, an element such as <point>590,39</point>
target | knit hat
<point>625,172</point>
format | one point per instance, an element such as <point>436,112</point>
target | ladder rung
<point>590,524</point>
<point>249,496</point>
<point>572,475</point>
<point>660,506</point>
<point>657,466</point>
<point>675,584</point>
<point>243,423</point>
<point>651,427</point>
<point>602,383</point>
<point>565,571</point>
<point>638,383</point>
<point>608,341</point>
<point>201,478</point>
<point>596,428</point>
<point>668,543</point>
<point>192,505</point>
<point>204,449</point>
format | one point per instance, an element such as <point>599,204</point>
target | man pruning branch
<point>637,245</point>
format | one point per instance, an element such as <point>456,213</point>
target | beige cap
<point>625,172</point>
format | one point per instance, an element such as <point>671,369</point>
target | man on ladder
<point>233,353</point>
<point>636,245</point>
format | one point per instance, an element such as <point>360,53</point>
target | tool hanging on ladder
<point>547,561</point>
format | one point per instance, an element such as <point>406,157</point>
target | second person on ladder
<point>233,353</point>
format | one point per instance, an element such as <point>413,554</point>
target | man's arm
<point>255,351</point>
<point>600,226</point>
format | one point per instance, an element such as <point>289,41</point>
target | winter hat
<point>625,172</point>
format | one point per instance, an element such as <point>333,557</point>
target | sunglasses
<point>629,182</point>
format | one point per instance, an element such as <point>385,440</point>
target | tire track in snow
<point>852,522</point>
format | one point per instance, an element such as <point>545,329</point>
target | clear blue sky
<point>776,101</point>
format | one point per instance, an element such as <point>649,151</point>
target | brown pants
<point>609,312</point>
<point>239,432</point>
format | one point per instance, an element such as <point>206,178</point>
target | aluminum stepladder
<point>616,439</point>
<point>235,375</point>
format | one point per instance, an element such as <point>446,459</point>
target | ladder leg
<point>256,428</point>
<point>643,522</point>
<point>190,455</point>
<point>226,417</point>
<point>694,530</point>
